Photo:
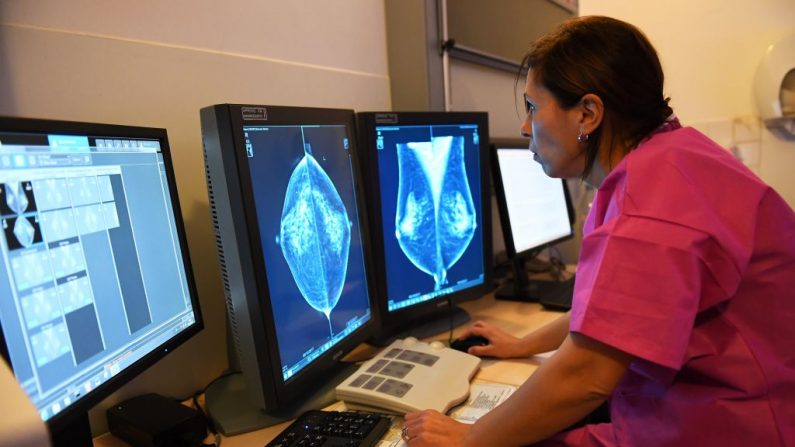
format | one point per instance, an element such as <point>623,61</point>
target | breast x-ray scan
<point>303,187</point>
<point>430,196</point>
<point>315,235</point>
<point>435,217</point>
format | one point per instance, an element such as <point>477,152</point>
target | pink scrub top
<point>688,264</point>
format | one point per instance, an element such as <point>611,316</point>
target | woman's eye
<point>528,106</point>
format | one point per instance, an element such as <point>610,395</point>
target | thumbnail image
<point>52,194</point>
<point>49,344</point>
<point>16,198</point>
<point>31,268</point>
<point>22,231</point>
<point>40,307</point>
<point>435,218</point>
<point>315,235</point>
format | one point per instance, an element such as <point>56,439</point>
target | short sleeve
<point>640,284</point>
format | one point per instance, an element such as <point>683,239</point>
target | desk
<point>514,317</point>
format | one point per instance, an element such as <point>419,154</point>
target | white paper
<point>392,437</point>
<point>483,397</point>
<point>545,355</point>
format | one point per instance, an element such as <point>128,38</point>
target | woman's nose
<point>526,130</point>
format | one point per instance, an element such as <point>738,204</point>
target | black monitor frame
<point>243,268</point>
<point>71,426</point>
<point>440,313</point>
<point>521,285</point>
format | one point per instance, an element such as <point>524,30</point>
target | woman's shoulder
<point>685,158</point>
<point>685,178</point>
<point>685,150</point>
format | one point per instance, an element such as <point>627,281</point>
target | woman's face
<point>553,132</point>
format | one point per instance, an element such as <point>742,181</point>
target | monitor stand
<point>426,326</point>
<point>232,413</point>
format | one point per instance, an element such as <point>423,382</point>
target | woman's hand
<point>431,428</point>
<point>501,344</point>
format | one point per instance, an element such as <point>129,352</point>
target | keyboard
<point>317,428</point>
<point>410,375</point>
<point>555,295</point>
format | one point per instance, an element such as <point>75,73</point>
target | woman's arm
<point>563,390</point>
<point>503,345</point>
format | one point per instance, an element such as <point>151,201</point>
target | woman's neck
<point>604,164</point>
<point>596,176</point>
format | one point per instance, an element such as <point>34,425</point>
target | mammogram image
<point>16,199</point>
<point>24,231</point>
<point>435,218</point>
<point>315,235</point>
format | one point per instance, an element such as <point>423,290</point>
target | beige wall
<point>154,63</point>
<point>710,50</point>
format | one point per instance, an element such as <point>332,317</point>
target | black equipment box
<point>152,420</point>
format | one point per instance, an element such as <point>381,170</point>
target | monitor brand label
<point>386,118</point>
<point>254,113</point>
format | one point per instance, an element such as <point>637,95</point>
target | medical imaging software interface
<point>90,260</point>
<point>430,210</point>
<point>303,189</point>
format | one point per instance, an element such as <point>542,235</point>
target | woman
<point>685,291</point>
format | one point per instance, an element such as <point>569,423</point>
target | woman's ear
<point>592,112</point>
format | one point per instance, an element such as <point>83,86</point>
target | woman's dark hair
<point>611,59</point>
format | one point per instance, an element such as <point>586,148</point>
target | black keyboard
<point>317,428</point>
<point>555,295</point>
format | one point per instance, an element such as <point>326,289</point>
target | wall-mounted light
<point>774,88</point>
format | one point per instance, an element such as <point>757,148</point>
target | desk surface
<point>516,318</point>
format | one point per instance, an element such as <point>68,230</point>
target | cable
<point>210,425</point>
<point>194,398</point>
<point>558,267</point>
<point>450,314</point>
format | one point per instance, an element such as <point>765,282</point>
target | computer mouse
<point>463,345</point>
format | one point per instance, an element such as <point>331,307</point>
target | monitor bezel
<point>502,205</point>
<point>399,319</point>
<point>305,380</point>
<point>79,409</point>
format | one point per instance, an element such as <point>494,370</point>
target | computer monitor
<point>535,211</point>
<point>95,278</point>
<point>285,198</point>
<point>428,191</point>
